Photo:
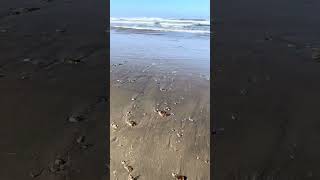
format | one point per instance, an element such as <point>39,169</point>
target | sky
<point>160,8</point>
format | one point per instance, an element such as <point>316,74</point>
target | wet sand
<point>156,146</point>
<point>266,91</point>
<point>53,66</point>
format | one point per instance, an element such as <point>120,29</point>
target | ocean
<point>179,44</point>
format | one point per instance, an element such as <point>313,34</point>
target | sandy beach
<point>53,74</point>
<point>160,105</point>
<point>156,145</point>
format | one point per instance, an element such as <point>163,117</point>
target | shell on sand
<point>131,123</point>
<point>163,113</point>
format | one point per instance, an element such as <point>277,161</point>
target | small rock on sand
<point>178,177</point>
<point>114,126</point>
<point>131,123</point>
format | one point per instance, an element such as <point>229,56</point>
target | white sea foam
<point>160,24</point>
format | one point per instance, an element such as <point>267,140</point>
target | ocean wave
<point>161,24</point>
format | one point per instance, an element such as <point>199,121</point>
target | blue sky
<point>160,8</point>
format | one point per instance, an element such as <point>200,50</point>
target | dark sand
<point>53,65</point>
<point>266,78</point>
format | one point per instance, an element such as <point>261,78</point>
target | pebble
<point>131,123</point>
<point>114,126</point>
<point>167,108</point>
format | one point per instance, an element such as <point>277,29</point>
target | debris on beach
<point>131,123</point>
<point>126,166</point>
<point>190,119</point>
<point>163,89</point>
<point>163,113</point>
<point>114,126</point>
<point>178,177</point>
<point>133,99</point>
